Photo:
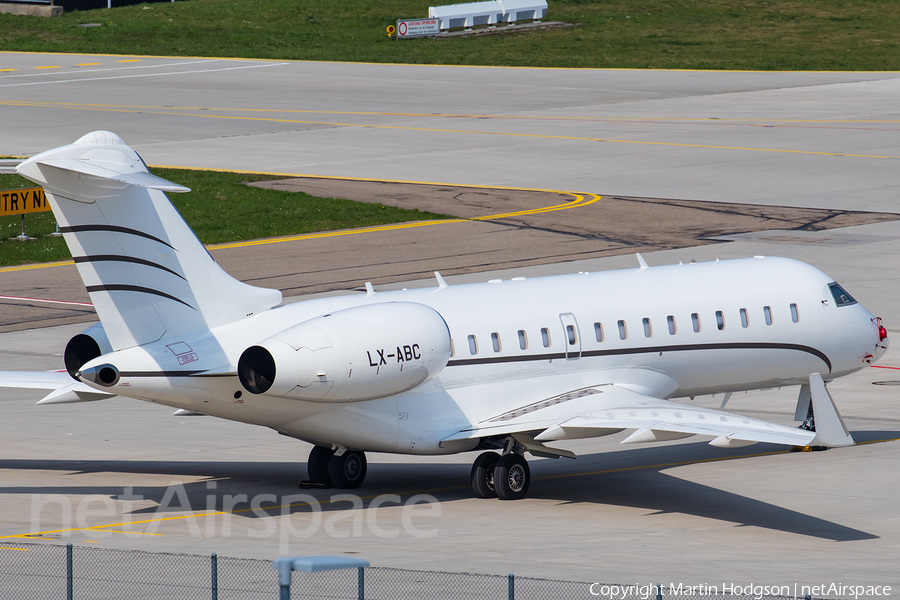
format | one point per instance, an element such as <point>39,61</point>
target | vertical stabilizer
<point>145,270</point>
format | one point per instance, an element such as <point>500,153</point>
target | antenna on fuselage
<point>441,283</point>
<point>641,260</point>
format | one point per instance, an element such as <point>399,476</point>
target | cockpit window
<point>841,297</point>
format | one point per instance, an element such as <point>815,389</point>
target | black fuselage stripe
<point>134,288</point>
<point>158,373</point>
<point>128,259</point>
<point>114,229</point>
<point>647,350</point>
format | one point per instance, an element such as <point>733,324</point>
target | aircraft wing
<point>64,388</point>
<point>606,409</point>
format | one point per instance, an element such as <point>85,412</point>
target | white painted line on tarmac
<point>106,70</point>
<point>143,75</point>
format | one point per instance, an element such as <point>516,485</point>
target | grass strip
<point>846,35</point>
<point>220,208</point>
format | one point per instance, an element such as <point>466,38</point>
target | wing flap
<point>609,409</point>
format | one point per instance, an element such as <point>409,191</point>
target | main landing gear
<point>346,470</point>
<point>506,477</point>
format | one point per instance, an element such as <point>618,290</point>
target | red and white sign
<point>417,28</point>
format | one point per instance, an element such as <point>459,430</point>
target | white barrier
<point>468,14</point>
<point>471,14</point>
<point>520,10</point>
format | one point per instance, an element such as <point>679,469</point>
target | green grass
<point>220,208</point>
<point>668,34</point>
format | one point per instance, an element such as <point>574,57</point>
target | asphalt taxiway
<point>676,512</point>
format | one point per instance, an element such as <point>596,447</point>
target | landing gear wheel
<point>317,466</point>
<point>483,475</point>
<point>348,471</point>
<point>512,477</point>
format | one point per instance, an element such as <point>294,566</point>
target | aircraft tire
<point>317,466</point>
<point>348,471</point>
<point>512,477</point>
<point>483,475</point>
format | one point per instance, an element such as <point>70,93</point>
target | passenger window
<point>623,331</point>
<point>673,329</point>
<point>495,341</point>
<point>545,337</point>
<point>523,340</point>
<point>598,332</point>
<point>570,333</point>
<point>695,322</point>
<point>795,316</point>
<point>473,345</point>
<point>767,311</point>
<point>648,328</point>
<point>745,319</point>
<point>720,320</point>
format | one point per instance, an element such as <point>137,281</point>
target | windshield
<point>841,297</point>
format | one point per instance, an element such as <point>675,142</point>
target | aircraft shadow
<point>632,478</point>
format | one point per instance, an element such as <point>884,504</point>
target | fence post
<point>361,582</point>
<point>658,591</point>
<point>215,577</point>
<point>69,571</point>
<point>511,582</point>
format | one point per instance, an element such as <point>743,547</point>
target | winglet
<point>830,428</point>
<point>641,261</point>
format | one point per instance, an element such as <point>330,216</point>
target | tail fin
<point>145,270</point>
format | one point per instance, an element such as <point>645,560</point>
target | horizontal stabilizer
<point>115,172</point>
<point>36,380</point>
<point>75,392</point>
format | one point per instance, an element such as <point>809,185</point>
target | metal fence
<point>50,572</point>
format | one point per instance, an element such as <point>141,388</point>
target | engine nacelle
<point>85,347</point>
<point>354,354</point>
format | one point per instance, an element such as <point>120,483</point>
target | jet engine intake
<point>85,347</point>
<point>355,354</point>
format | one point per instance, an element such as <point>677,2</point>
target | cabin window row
<point>696,325</point>
<point>622,329</point>
<point>522,336</point>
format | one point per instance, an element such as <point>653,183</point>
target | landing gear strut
<point>507,477</point>
<point>347,471</point>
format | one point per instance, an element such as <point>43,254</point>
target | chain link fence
<point>67,572</point>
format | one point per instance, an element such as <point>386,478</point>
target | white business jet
<point>505,367</point>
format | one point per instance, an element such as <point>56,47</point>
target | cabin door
<point>571,336</point>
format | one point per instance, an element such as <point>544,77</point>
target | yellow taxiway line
<point>202,115</point>
<point>579,200</point>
